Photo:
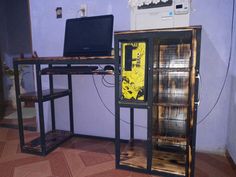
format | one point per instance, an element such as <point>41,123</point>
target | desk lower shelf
<point>75,70</point>
<point>46,95</point>
<point>52,140</point>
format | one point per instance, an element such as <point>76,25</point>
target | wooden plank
<point>32,96</point>
<point>169,162</point>
<point>158,30</point>
<point>60,58</point>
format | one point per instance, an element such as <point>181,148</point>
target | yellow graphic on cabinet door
<point>133,71</point>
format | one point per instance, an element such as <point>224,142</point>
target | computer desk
<point>47,142</point>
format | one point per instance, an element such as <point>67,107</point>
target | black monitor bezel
<point>92,52</point>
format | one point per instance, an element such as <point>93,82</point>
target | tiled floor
<point>80,157</point>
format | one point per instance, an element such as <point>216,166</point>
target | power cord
<point>227,71</point>
<point>100,97</point>
<point>106,83</point>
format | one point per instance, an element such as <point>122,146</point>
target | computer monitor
<point>89,36</point>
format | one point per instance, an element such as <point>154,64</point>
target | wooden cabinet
<point>169,97</point>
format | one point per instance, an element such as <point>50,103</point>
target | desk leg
<point>40,108</point>
<point>117,107</point>
<point>19,109</point>
<point>52,100</point>
<point>149,137</point>
<point>71,102</point>
<point>117,134</point>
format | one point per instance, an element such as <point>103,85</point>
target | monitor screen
<point>89,36</point>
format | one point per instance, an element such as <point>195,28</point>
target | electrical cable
<point>100,66</point>
<point>105,81</point>
<point>105,84</point>
<point>228,67</point>
<point>100,97</point>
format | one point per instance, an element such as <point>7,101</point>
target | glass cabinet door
<point>171,78</point>
<point>132,91</point>
<point>134,153</point>
<point>133,144</point>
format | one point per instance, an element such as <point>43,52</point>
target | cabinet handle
<point>197,103</point>
<point>200,88</point>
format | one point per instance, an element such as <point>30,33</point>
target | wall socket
<point>59,12</point>
<point>83,10</point>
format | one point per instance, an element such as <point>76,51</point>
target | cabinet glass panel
<point>174,56</point>
<point>133,145</point>
<point>169,139</point>
<point>133,71</point>
<point>133,154</point>
<point>171,73</point>
<point>170,107</point>
<point>172,121</point>
<point>173,87</point>
<point>168,158</point>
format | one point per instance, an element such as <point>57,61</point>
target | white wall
<point>90,116</point>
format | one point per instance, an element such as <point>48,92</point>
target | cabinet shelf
<point>168,162</point>
<point>175,128</point>
<point>173,119</point>
<point>171,69</point>
<point>170,144</point>
<point>171,138</point>
<point>133,104</point>
<point>52,140</point>
<point>166,100</point>
<point>171,104</point>
<point>33,96</point>
<point>169,154</point>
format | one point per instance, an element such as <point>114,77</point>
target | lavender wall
<point>90,116</point>
<point>215,16</point>
<point>46,27</point>
<point>231,140</point>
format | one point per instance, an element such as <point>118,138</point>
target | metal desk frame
<point>41,96</point>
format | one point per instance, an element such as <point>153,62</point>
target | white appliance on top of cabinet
<point>150,14</point>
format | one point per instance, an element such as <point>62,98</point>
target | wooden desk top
<point>66,60</point>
